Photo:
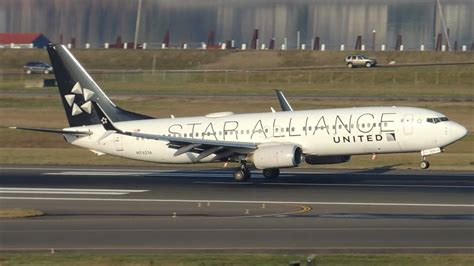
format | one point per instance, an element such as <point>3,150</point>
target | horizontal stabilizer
<point>54,130</point>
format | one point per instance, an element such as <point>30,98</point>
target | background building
<point>336,22</point>
<point>23,40</point>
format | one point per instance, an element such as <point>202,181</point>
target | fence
<point>464,77</point>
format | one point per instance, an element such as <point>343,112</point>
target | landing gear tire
<point>242,174</point>
<point>271,173</point>
<point>424,164</point>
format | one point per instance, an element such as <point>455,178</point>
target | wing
<point>204,147</point>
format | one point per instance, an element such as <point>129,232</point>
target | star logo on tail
<point>79,106</point>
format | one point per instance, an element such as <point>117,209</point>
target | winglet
<point>285,105</point>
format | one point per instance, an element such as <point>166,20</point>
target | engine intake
<point>276,156</point>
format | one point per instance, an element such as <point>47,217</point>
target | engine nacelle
<point>276,156</point>
<point>315,159</point>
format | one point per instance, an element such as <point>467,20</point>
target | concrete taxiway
<point>180,210</point>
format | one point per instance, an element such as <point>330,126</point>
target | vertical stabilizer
<point>78,89</point>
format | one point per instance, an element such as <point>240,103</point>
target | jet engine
<point>276,156</point>
<point>315,159</point>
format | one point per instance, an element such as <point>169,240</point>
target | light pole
<point>373,39</point>
<point>137,24</point>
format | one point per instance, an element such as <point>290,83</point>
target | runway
<point>176,210</point>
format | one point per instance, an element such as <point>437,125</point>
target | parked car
<point>37,67</point>
<point>360,60</point>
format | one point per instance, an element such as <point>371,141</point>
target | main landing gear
<point>424,164</point>
<point>242,173</point>
<point>271,173</point>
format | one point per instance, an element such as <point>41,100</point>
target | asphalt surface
<point>176,210</point>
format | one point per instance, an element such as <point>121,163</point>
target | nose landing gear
<point>424,164</point>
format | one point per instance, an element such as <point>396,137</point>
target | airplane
<point>267,141</point>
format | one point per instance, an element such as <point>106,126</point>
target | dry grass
<point>218,59</point>
<point>75,156</point>
<point>245,90</point>
<point>66,258</point>
<point>19,213</point>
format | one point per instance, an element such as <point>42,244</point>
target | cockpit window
<point>436,120</point>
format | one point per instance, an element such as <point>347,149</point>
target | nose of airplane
<point>457,131</point>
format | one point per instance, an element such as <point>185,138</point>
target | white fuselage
<point>344,131</point>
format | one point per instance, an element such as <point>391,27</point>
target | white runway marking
<point>99,173</point>
<point>243,229</point>
<point>251,202</point>
<point>59,192</point>
<point>228,171</point>
<point>74,191</point>
<point>83,169</point>
<point>148,174</point>
<point>207,174</point>
<point>335,185</point>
